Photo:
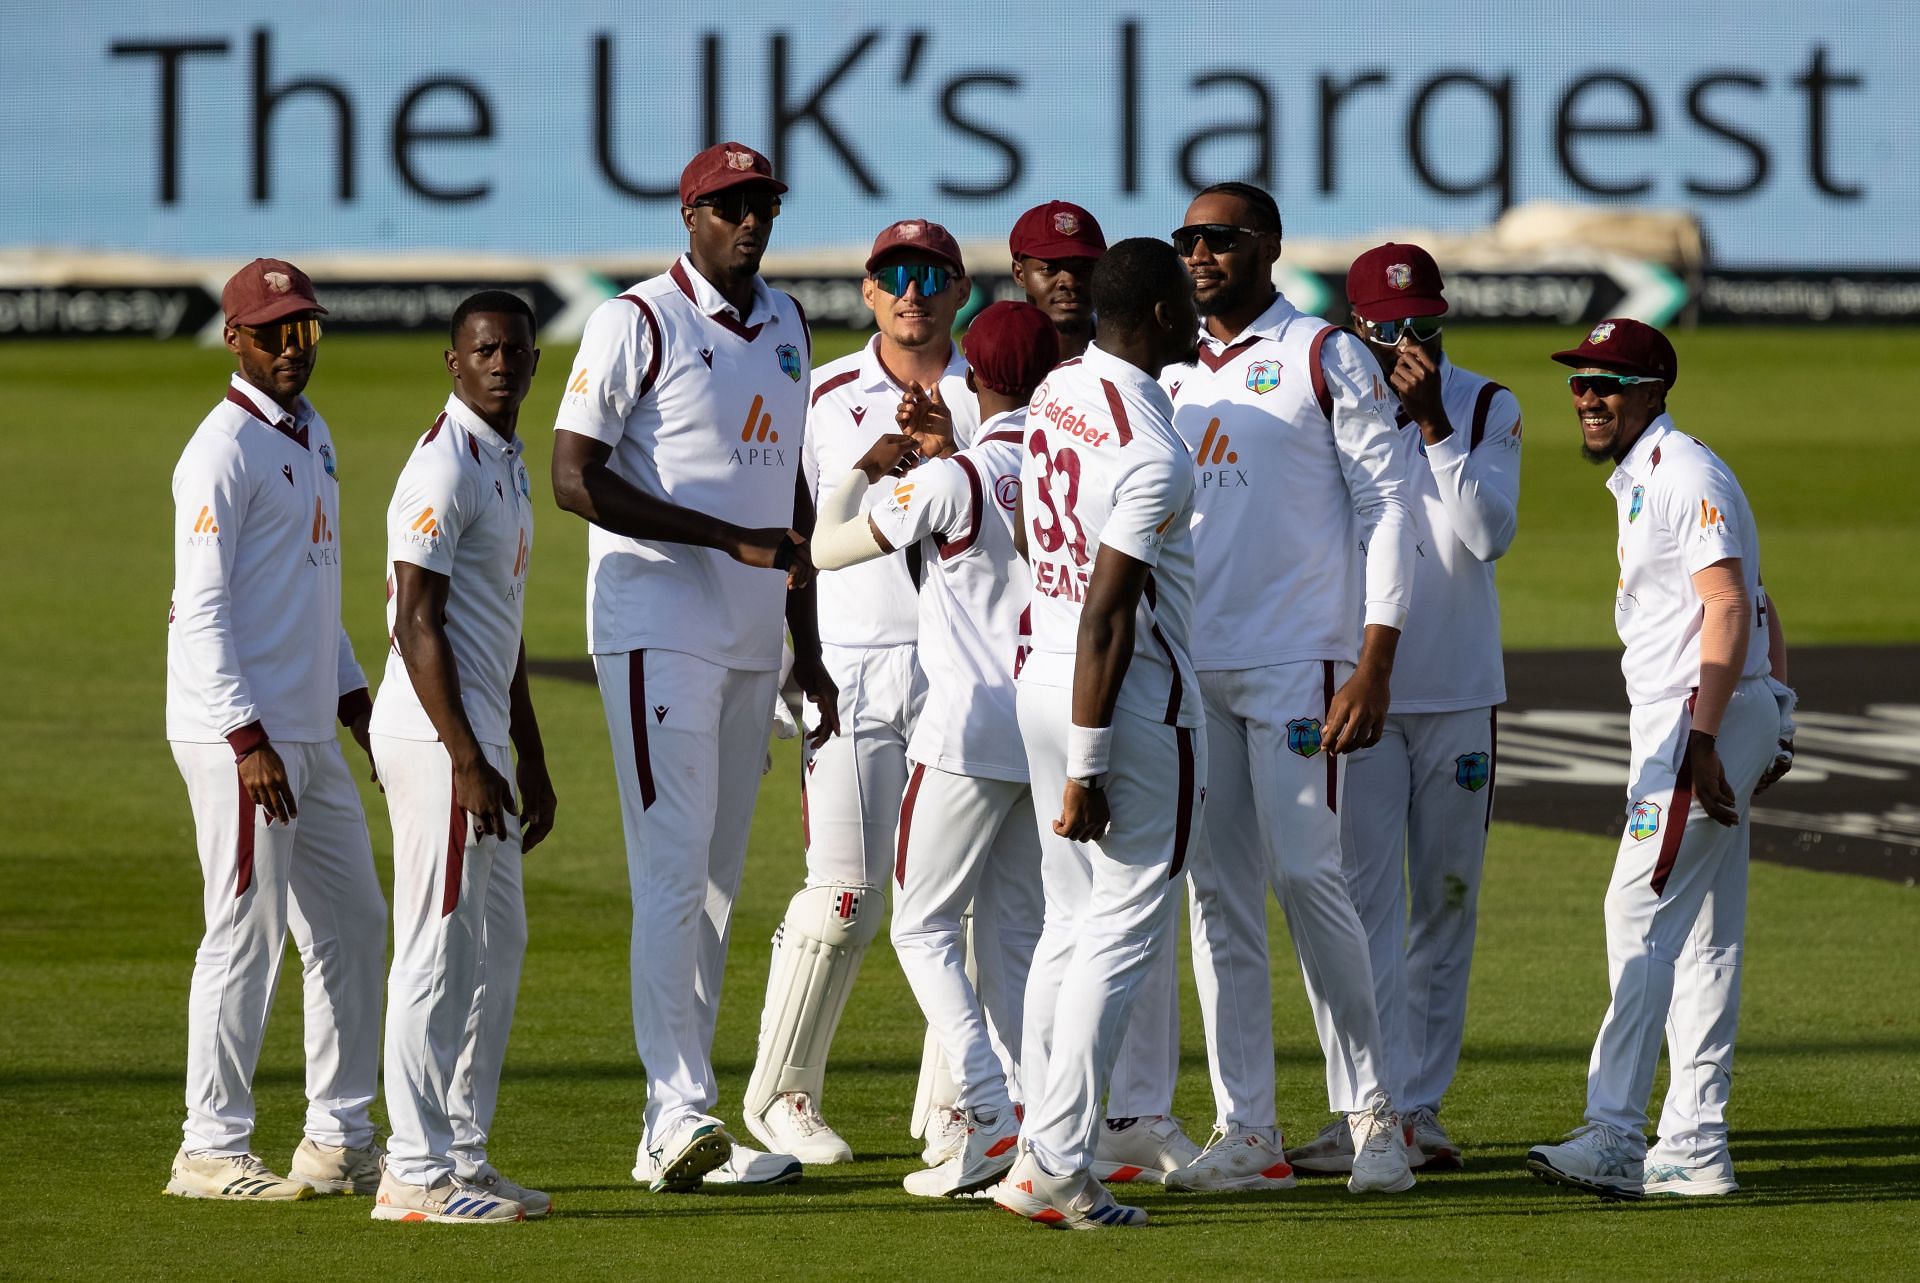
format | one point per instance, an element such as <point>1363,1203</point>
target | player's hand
<point>1357,714</point>
<point>927,419</point>
<point>358,729</point>
<point>1084,814</point>
<point>483,793</point>
<point>264,776</point>
<point>892,455</point>
<point>774,548</point>
<point>817,684</point>
<point>1782,763</point>
<point>537,802</point>
<point>1710,787</point>
<point>1416,381</point>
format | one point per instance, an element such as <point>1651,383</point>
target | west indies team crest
<point>1400,275</point>
<point>790,361</point>
<point>1639,501</point>
<point>1263,376</point>
<point>1471,771</point>
<point>1303,736</point>
<point>326,460</point>
<point>1644,822</point>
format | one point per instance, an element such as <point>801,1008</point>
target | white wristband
<point>1088,748</point>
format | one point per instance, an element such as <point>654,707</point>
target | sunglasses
<point>895,279</point>
<point>733,205</point>
<point>1422,328</point>
<point>1220,237</point>
<point>279,336</point>
<point>1604,385</point>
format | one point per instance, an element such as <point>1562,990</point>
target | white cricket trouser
<point>314,877</point>
<point>1109,913</point>
<point>850,794</point>
<point>968,841</point>
<point>1414,830</point>
<point>689,741</point>
<point>1676,915</point>
<point>1272,816</point>
<point>459,934</point>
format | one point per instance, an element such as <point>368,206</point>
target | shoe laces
<point>252,1164</point>
<point>1422,1117</point>
<point>1382,1127</point>
<point>806,1118</point>
<point>1596,1136</point>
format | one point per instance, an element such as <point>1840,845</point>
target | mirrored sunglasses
<point>734,204</point>
<point>895,279</point>
<point>278,336</point>
<point>1604,385</point>
<point>1219,237</point>
<point>1422,328</point>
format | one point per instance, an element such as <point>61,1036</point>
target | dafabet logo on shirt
<point>1214,458</point>
<point>759,439</point>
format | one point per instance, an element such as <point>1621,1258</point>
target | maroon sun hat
<point>1011,346</point>
<point>267,290</point>
<point>920,237</point>
<point>1056,230</point>
<point>725,165</point>
<point>1393,282</point>
<point>1625,346</point>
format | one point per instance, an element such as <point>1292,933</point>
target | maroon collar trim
<point>1216,363</point>
<point>245,402</point>
<point>725,319</point>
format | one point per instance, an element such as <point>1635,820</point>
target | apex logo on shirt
<point>1263,376</point>
<point>578,386</point>
<point>903,495</point>
<point>1303,736</point>
<point>206,530</point>
<point>759,435</point>
<point>1214,457</point>
<point>426,525</point>
<point>1711,518</point>
<point>1644,822</point>
<point>520,556</point>
<point>322,553</point>
<point>1471,771</point>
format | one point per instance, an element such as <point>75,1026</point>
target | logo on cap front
<point>1399,275</point>
<point>909,231</point>
<point>739,160</point>
<point>278,282</point>
<point>1601,332</point>
<point>1066,223</point>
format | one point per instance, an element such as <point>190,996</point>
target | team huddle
<point>1150,585</point>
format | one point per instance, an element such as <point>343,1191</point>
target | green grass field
<point>99,917</point>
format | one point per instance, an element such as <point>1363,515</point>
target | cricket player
<point>1055,248</point>
<point>1297,466</point>
<point>678,439</point>
<point>1712,724</point>
<point>453,711</point>
<point>853,781</point>
<point>258,669</point>
<point>1110,712</point>
<point>1419,802</point>
<point>967,834</point>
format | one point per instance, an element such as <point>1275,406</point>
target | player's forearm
<point>1378,646</point>
<point>522,726</point>
<point>1389,564</point>
<point>1104,651</point>
<point>1482,499</point>
<point>428,657</point>
<point>597,493</point>
<point>803,622</point>
<point>1726,625</point>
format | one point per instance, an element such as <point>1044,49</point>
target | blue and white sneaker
<point>1596,1158</point>
<point>446,1202</point>
<point>1665,1179</point>
<point>1076,1202</point>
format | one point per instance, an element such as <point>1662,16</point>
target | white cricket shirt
<point>254,634</point>
<point>1297,464</point>
<point>1104,468</point>
<point>1466,496</point>
<point>705,409</point>
<point>462,508</point>
<point>960,510</point>
<point>854,397</point>
<point>1680,511</point>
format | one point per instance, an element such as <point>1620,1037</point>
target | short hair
<point>1266,211</point>
<point>1133,276</point>
<point>504,302</point>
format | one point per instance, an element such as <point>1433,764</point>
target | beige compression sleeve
<point>1725,627</point>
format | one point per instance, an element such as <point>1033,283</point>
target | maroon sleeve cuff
<point>247,739</point>
<point>354,705</point>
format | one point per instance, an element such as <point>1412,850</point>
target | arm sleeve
<point>1480,487</point>
<point>1374,463</point>
<point>1699,508</point>
<point>937,498</point>
<point>1152,497</point>
<point>427,513</point>
<point>210,491</point>
<point>619,358</point>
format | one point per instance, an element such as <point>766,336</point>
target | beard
<point>1597,457</point>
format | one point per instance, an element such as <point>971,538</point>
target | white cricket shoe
<point>488,1180</point>
<point>792,1125</point>
<point>1076,1202</point>
<point>1141,1149</point>
<point>1236,1158</point>
<point>1328,1154</point>
<point>337,1169</point>
<point>445,1202</point>
<point>690,1149</point>
<point>1596,1158</point>
<point>1430,1148</point>
<point>1667,1179</point>
<point>746,1165</point>
<point>985,1156</point>
<point>946,1133</point>
<point>1379,1150</point>
<point>239,1178</point>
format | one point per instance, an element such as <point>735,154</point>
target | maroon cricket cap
<point>920,237</point>
<point>725,165</point>
<point>1011,346</point>
<point>1627,347</point>
<point>1393,282</point>
<point>1058,229</point>
<point>267,289</point>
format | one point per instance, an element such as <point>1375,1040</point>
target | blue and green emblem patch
<point>1644,822</point>
<point>1303,735</point>
<point>1471,771</point>
<point>790,361</point>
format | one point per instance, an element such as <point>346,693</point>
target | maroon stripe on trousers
<point>637,715</point>
<point>1333,764</point>
<point>1183,810</point>
<point>1493,760</point>
<point>906,822</point>
<point>243,843</point>
<point>456,855</point>
<point>1678,807</point>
